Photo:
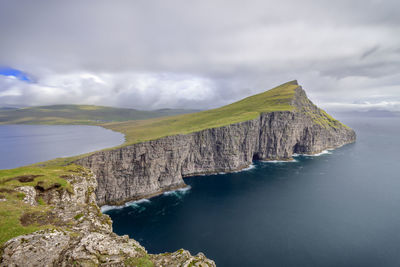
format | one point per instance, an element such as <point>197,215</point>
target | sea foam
<point>250,167</point>
<point>324,152</point>
<point>279,161</point>
<point>178,192</point>
<point>134,204</point>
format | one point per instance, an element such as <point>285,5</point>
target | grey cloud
<point>341,51</point>
<point>369,52</point>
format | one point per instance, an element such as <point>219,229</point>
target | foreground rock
<point>149,168</point>
<point>81,235</point>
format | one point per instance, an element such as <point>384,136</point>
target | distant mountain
<point>79,114</point>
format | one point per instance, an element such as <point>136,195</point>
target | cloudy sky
<point>199,53</point>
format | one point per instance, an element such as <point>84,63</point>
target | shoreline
<point>147,198</point>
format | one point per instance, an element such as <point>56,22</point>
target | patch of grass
<point>320,117</point>
<point>44,176</point>
<point>40,201</point>
<point>139,262</point>
<point>78,216</point>
<point>10,214</point>
<point>20,196</point>
<point>38,217</point>
<point>193,263</point>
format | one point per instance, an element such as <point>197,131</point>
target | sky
<point>199,54</point>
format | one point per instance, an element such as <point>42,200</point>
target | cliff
<point>50,214</point>
<point>149,168</point>
<point>75,232</point>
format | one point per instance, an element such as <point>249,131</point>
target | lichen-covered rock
<point>82,235</point>
<point>152,167</point>
<point>30,194</point>
<point>38,249</point>
<point>181,258</point>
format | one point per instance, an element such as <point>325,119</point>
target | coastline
<point>148,198</point>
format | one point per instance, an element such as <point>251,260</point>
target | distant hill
<point>80,114</point>
<point>8,108</point>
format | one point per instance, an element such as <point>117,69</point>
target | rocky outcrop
<point>80,234</point>
<point>149,168</point>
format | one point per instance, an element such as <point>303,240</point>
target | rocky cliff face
<point>149,168</point>
<point>81,235</point>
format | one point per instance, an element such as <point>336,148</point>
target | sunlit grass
<point>276,99</point>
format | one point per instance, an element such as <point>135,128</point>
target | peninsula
<point>50,212</point>
<point>158,153</point>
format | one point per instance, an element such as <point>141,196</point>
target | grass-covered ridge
<point>79,114</point>
<point>276,99</point>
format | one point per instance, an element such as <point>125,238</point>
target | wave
<point>250,167</point>
<point>324,152</point>
<point>178,192</point>
<point>279,161</point>
<point>133,204</point>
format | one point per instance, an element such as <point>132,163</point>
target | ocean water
<point>340,208</point>
<point>27,144</point>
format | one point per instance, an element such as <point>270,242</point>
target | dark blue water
<point>27,144</point>
<point>338,209</point>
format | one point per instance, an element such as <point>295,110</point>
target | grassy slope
<point>13,208</point>
<point>276,99</point>
<point>79,114</point>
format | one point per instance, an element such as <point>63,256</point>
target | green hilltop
<point>80,114</point>
<point>276,99</point>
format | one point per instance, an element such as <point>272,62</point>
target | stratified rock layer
<point>149,168</point>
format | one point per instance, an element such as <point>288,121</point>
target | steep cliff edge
<point>148,168</point>
<point>75,232</point>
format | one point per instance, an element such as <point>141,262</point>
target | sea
<point>338,208</point>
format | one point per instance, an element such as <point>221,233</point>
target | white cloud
<point>365,106</point>
<point>135,90</point>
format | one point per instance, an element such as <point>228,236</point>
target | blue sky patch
<point>20,75</point>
